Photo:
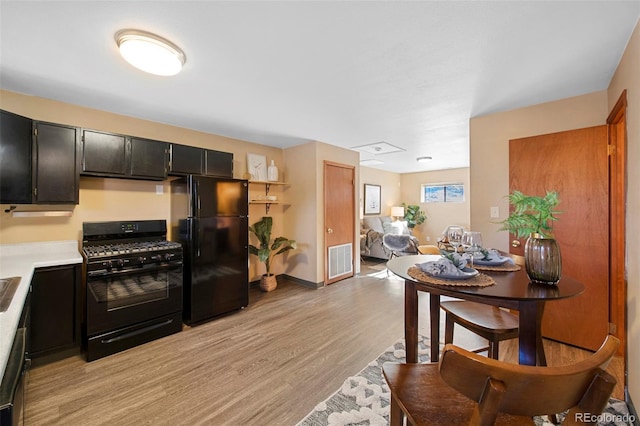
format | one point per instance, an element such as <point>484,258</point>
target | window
<point>442,193</point>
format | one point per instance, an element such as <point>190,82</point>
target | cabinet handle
<point>515,243</point>
<point>329,231</point>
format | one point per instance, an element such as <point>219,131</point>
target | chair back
<point>399,244</point>
<point>583,387</point>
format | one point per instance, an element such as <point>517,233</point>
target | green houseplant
<point>413,215</point>
<point>268,249</point>
<point>532,217</point>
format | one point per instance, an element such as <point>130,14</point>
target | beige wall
<point>439,215</point>
<point>120,199</point>
<point>390,188</point>
<point>489,137</point>
<point>489,152</point>
<point>627,76</point>
<point>304,219</point>
<point>301,216</point>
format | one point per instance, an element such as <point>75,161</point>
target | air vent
<point>340,260</point>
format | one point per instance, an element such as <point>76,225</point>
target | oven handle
<point>104,272</point>
<point>136,332</point>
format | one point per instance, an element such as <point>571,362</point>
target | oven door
<point>118,299</point>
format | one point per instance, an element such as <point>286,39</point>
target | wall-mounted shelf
<point>267,203</point>
<point>267,184</point>
<point>267,187</point>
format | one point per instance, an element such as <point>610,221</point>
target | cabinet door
<point>148,158</point>
<point>104,153</point>
<point>55,164</point>
<point>186,160</point>
<point>218,163</point>
<point>54,309</point>
<point>15,161</point>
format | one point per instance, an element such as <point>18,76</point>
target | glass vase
<point>542,259</point>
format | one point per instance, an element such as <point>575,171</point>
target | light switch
<point>495,212</point>
<point>159,189</point>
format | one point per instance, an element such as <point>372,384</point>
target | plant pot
<point>268,282</point>
<point>542,259</point>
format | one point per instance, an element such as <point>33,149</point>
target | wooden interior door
<point>339,221</point>
<point>574,163</point>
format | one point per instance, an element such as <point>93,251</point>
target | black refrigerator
<point>209,217</point>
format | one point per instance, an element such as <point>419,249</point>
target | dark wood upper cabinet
<point>39,162</point>
<point>190,160</point>
<point>104,153</point>
<point>15,161</point>
<point>186,160</point>
<point>149,158</point>
<point>56,163</point>
<point>218,163</point>
<point>113,155</point>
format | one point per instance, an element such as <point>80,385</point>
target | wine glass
<point>454,235</point>
<point>472,242</point>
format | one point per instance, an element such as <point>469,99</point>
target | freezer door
<point>219,268</point>
<point>219,197</point>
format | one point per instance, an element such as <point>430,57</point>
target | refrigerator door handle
<point>198,205</point>
<point>193,230</point>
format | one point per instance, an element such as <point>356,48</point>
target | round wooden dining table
<point>512,290</point>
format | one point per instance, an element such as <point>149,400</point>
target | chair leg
<point>396,417</point>
<point>494,347</point>
<point>448,329</point>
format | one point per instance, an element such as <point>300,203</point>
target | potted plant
<point>268,249</point>
<point>413,215</point>
<point>532,217</point>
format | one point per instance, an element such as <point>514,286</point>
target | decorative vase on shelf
<point>542,259</point>
<point>272,172</point>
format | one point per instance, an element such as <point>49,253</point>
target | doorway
<point>339,221</point>
<point>575,164</point>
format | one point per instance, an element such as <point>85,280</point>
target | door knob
<point>515,243</point>
<point>329,231</point>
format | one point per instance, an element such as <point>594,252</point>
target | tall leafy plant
<point>267,249</point>
<point>531,214</point>
<point>413,215</point>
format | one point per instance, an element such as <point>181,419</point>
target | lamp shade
<point>397,211</point>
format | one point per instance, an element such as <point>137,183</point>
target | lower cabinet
<point>55,310</point>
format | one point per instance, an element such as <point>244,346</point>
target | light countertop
<point>20,260</point>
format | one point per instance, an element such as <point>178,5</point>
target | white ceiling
<point>347,73</point>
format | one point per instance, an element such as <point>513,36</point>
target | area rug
<point>363,399</point>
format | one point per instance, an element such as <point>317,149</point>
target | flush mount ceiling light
<point>424,159</point>
<point>150,53</point>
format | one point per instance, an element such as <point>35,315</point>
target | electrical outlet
<point>428,238</point>
<point>495,212</point>
<point>159,189</point>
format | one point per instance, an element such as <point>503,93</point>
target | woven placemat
<point>480,280</point>
<point>506,267</point>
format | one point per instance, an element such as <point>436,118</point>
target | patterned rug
<point>363,399</point>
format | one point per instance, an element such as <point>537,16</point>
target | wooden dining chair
<point>466,388</point>
<point>489,322</point>
<point>428,249</point>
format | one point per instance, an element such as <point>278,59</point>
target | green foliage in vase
<point>267,249</point>
<point>531,214</point>
<point>413,215</point>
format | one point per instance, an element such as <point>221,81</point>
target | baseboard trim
<point>299,281</point>
<point>304,283</point>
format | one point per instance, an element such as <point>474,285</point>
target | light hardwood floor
<point>269,364</point>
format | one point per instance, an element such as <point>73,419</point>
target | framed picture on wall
<point>257,166</point>
<point>372,198</point>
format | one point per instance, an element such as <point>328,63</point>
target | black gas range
<point>132,285</point>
